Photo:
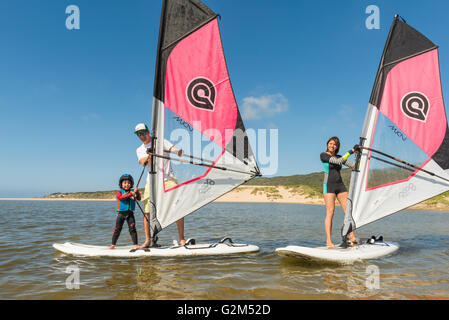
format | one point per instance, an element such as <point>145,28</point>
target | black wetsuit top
<point>333,183</point>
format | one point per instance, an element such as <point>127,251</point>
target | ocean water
<point>32,269</point>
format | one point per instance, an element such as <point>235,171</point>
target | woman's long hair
<point>337,142</point>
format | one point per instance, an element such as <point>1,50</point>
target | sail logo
<point>397,132</point>
<point>206,186</point>
<point>201,93</point>
<point>183,123</point>
<point>415,105</point>
<point>407,190</point>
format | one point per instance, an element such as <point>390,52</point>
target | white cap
<point>141,127</point>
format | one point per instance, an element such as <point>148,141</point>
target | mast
<point>156,85</point>
<point>349,223</point>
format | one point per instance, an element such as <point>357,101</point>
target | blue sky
<point>69,99</point>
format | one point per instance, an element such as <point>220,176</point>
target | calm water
<point>32,269</point>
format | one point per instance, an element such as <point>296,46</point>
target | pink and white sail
<point>194,109</point>
<point>406,120</point>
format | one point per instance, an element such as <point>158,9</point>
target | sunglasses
<point>141,133</point>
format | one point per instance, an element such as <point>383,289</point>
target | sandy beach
<point>53,199</point>
<point>251,194</point>
<point>267,194</point>
<point>241,194</point>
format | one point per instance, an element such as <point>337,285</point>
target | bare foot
<point>111,247</point>
<point>146,244</point>
<point>182,242</point>
<point>330,245</point>
<point>136,246</point>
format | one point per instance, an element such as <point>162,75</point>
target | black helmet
<point>124,177</point>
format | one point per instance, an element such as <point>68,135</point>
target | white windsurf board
<point>205,249</point>
<point>348,255</point>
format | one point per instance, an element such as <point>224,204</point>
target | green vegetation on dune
<point>83,195</point>
<point>442,199</point>
<point>309,185</point>
<point>304,190</point>
<point>86,195</point>
<point>270,192</point>
<point>313,182</point>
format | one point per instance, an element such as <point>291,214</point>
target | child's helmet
<point>124,177</point>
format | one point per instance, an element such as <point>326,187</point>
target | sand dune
<point>261,194</point>
<point>267,194</point>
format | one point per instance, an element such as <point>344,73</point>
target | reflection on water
<point>32,269</point>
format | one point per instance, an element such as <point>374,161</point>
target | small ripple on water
<point>32,269</point>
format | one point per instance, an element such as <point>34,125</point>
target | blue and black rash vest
<point>332,166</point>
<point>124,201</point>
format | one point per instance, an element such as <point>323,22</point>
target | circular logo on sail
<point>201,93</point>
<point>415,105</point>
<point>206,186</point>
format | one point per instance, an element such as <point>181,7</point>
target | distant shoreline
<point>247,194</point>
<point>53,199</point>
<point>316,202</point>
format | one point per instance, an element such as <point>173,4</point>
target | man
<point>143,133</point>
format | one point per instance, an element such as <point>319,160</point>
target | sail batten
<point>194,111</point>
<point>405,121</point>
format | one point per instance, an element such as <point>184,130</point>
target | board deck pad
<point>204,249</point>
<point>339,255</point>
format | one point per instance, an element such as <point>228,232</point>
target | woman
<point>333,186</point>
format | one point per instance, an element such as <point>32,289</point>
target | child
<point>126,203</point>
